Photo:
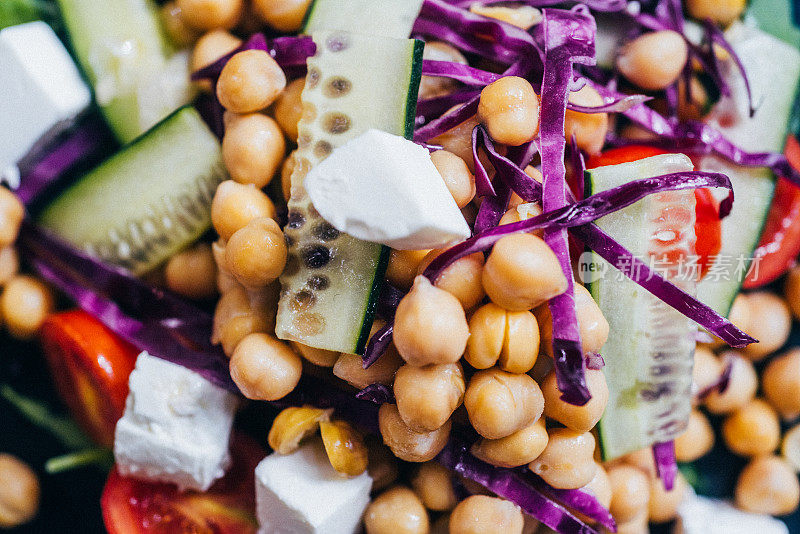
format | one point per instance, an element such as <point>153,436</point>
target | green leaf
<point>97,457</point>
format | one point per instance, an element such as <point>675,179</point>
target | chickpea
<point>458,140</point>
<point>283,15</point>
<point>225,281</point>
<point>253,149</point>
<point>752,430</point>
<point>522,212</point>
<point>405,443</point>
<point>482,514</point>
<point>591,322</point>
<point>179,33</point>
<point>578,418</point>
<point>791,291</point>
<point>692,106</point>
<point>212,46</point>
<point>381,464</point>
<point>520,448</point>
<point>455,173</point>
<point>790,447</point>
<point>19,492</point>
<point>350,368</point>
<point>770,323</point>
<point>433,484</point>
<point>286,175</point>
<point>664,504</point>
<point>234,205</point>
<point>768,485</point>
<point>250,81</point>
<point>643,460</point>
<point>289,108</point>
<point>741,387</point>
<point>210,14</point>
<point>428,396</point>
<point>697,440</point>
<point>630,492</point>
<point>600,486</point>
<point>509,108</point>
<point>265,368</point>
<point>430,326</point>
<point>637,525</point>
<point>318,357</point>
<point>238,314</point>
<point>9,264</point>
<point>589,129</point>
<point>404,266</point>
<point>462,278</point>
<point>706,371</point>
<point>522,272</point>
<point>510,337</point>
<point>722,12</point>
<point>24,305</point>
<point>193,272</point>
<point>11,214</point>
<point>568,460</point>
<point>653,60</point>
<point>431,86</point>
<point>781,383</point>
<point>500,403</point>
<point>524,17</point>
<point>256,254</point>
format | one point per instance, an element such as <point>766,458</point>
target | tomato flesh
<point>90,366</point>
<point>133,506</point>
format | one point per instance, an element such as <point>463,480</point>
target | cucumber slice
<point>147,201</point>
<point>775,84</point>
<point>354,83</point>
<point>123,52</point>
<point>385,18</point>
<point>13,12</point>
<point>650,350</point>
<point>780,18</point>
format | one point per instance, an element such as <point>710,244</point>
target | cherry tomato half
<point>90,366</point>
<point>707,227</point>
<point>133,506</point>
<point>780,239</point>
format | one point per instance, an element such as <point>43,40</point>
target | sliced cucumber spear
<point>136,78</point>
<point>147,201</point>
<point>650,352</point>
<point>354,83</point>
<point>386,18</point>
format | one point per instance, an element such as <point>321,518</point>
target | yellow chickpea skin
<point>522,272</point>
<point>234,205</point>
<point>430,326</point>
<point>741,388</point>
<point>265,368</point>
<point>767,485</point>
<point>9,264</point>
<point>524,17</point>
<point>630,492</point>
<point>179,33</point>
<point>318,357</point>
<point>256,254</point>
<point>225,281</point>
<point>579,418</point>
<point>509,108</point>
<point>720,11</point>
<point>405,443</point>
<point>253,149</point>
<point>664,504</point>
<point>462,278</point>
<point>706,371</point>
<point>482,514</point>
<point>11,213</point>
<point>210,14</point>
<point>431,86</point>
<point>289,108</point>
<point>404,267</point>
<point>19,492</point>
<point>458,140</point>
<point>209,48</point>
<point>770,323</point>
<point>753,429</point>
<point>591,322</point>
<point>24,305</point>
<point>781,383</point>
<point>427,396</point>
<point>500,403</point>
<point>282,15</point>
<point>433,484</point>
<point>790,447</point>
<point>250,81</point>
<point>589,129</point>
<point>653,60</point>
<point>512,338</point>
<point>239,313</point>
<point>193,272</point>
<point>522,212</point>
<point>349,368</point>
<point>456,175</point>
<point>697,440</point>
<point>520,448</point>
<point>567,461</point>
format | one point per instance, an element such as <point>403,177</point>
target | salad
<point>406,266</point>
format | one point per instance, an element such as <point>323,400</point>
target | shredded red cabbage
<point>377,393</point>
<point>459,72</point>
<point>579,501</point>
<point>290,53</point>
<point>377,345</point>
<point>720,385</point>
<point>615,105</point>
<point>448,121</point>
<point>594,361</point>
<point>666,464</point>
<point>434,107</point>
<point>597,5</point>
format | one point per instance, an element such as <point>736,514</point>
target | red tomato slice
<point>133,506</point>
<point>707,227</point>
<point>90,366</point>
<point>780,239</point>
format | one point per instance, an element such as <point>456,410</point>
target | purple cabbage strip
<point>377,345</point>
<point>377,393</point>
<point>616,105</point>
<point>466,43</point>
<point>448,121</point>
<point>579,501</point>
<point>435,106</point>
<point>720,385</point>
<point>459,72</point>
<point>594,361</point>
<point>492,209</point>
<point>666,464</point>
<point>523,185</point>
<point>597,5</point>
<point>388,300</point>
<point>715,35</point>
<point>569,38</point>
<point>151,319</point>
<point>290,53</point>
<point>483,185</point>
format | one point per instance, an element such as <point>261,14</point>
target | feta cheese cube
<point>41,91</point>
<point>176,426</point>
<point>701,515</point>
<point>300,493</point>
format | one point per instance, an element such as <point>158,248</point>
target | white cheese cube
<point>176,426</point>
<point>41,91</point>
<point>300,493</point>
<point>384,188</point>
<point>701,515</point>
